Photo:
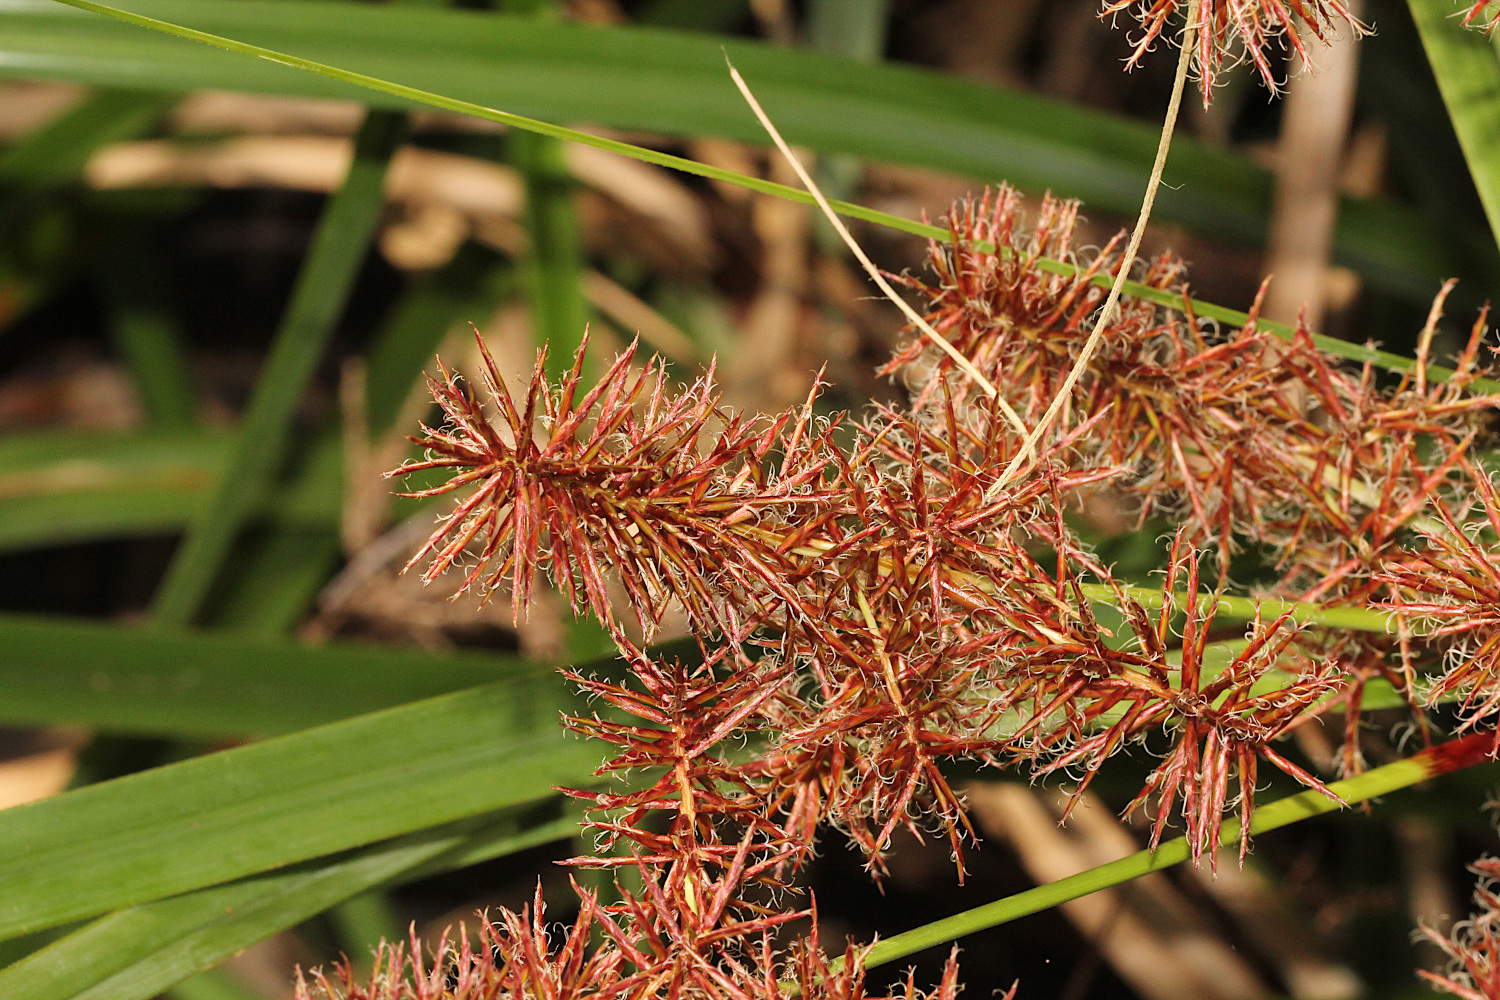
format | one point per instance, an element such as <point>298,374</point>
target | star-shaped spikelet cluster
<point>876,602</point>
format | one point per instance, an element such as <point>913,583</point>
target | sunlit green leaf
<point>675,83</point>
<point>253,808</point>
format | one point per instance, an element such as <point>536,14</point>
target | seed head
<point>1231,31</point>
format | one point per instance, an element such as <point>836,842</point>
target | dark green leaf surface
<point>272,578</point>
<point>56,153</point>
<point>69,486</point>
<point>141,325</point>
<point>234,813</point>
<point>322,290</point>
<point>465,290</point>
<point>1468,74</point>
<point>136,953</point>
<point>676,84</point>
<point>214,685</point>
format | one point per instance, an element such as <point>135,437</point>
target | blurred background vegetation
<point>221,280</point>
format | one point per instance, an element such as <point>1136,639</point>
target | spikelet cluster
<point>1234,31</point>
<point>1473,946</point>
<point>1245,438</point>
<point>875,602</point>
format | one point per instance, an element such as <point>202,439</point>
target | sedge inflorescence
<point>1232,31</point>
<point>875,600</point>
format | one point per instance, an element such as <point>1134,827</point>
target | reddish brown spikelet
<point>1233,30</point>
<point>515,960</point>
<point>677,718</point>
<point>1091,701</point>
<point>1245,438</point>
<point>904,614</point>
<point>906,625</point>
<point>1453,584</point>
<point>996,300</point>
<point>1473,946</point>
<point>1486,14</point>
<point>624,477</point>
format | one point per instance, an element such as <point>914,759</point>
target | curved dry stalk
<point>962,362</point>
<point>1028,449</point>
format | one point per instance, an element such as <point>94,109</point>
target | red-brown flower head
<point>1231,31</point>
<point>664,489</point>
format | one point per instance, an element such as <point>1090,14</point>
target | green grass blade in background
<point>322,290</point>
<point>1398,226</point>
<point>138,952</point>
<point>1468,74</point>
<point>56,153</point>
<point>553,265</point>
<point>857,31</point>
<point>554,259</point>
<point>58,487</point>
<point>273,577</point>
<point>143,331</point>
<point>465,290</point>
<point>46,160</point>
<point>212,685</point>
<point>238,812</point>
<point>1466,751</point>
<point>675,83</point>
<point>277,567</point>
<point>213,984</point>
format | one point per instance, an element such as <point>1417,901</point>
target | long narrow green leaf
<point>1465,752</point>
<point>675,83</point>
<point>1402,231</point>
<point>1468,74</point>
<point>67,486</point>
<point>212,984</point>
<point>52,157</point>
<point>141,325</point>
<point>56,153</point>
<point>323,287</point>
<point>554,260</point>
<point>162,682</point>
<point>273,577</point>
<point>138,952</point>
<point>466,289</point>
<point>250,809</point>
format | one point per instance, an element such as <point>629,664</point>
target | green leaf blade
<point>674,83</point>
<point>1468,75</point>
<point>253,808</point>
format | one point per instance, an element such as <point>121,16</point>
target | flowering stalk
<point>875,599</point>
<point>1455,755</point>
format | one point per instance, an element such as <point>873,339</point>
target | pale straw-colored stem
<point>963,363</point>
<point>1106,315</point>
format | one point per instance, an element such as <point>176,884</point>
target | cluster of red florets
<point>874,601</point>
